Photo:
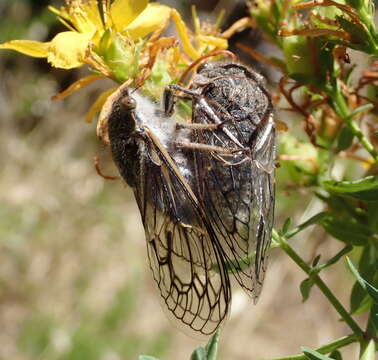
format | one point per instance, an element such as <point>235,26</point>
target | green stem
<point>325,349</point>
<point>367,18</point>
<point>284,245</point>
<point>313,220</point>
<point>342,109</point>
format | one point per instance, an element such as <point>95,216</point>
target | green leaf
<point>345,139</point>
<point>350,232</point>
<point>305,288</point>
<point>368,264</point>
<point>356,4</point>
<point>360,109</point>
<point>286,226</point>
<point>299,67</point>
<point>147,357</point>
<point>336,355</point>
<point>209,352</point>
<point>316,219</point>
<point>357,32</point>
<point>342,206</point>
<point>360,301</point>
<point>372,210</point>
<point>367,268</point>
<point>369,353</point>
<point>316,260</point>
<point>372,291</point>
<point>363,189</point>
<point>373,317</point>
<point>212,346</point>
<point>199,354</point>
<point>314,355</point>
<point>334,259</point>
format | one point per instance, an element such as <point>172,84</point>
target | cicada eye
<point>128,103</point>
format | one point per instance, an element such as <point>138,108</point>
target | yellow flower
<point>111,37</point>
<point>206,36</point>
<point>88,21</point>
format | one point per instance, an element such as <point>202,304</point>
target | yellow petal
<point>107,99</point>
<point>213,40</point>
<point>184,35</point>
<point>77,85</point>
<point>28,47</point>
<point>123,12</point>
<point>151,19</point>
<point>80,16</point>
<point>89,18</point>
<point>63,16</point>
<point>196,21</point>
<point>67,49</point>
<point>98,104</point>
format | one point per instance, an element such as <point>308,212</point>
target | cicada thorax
<point>238,98</point>
<point>235,180</point>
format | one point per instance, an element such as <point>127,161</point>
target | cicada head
<point>122,119</point>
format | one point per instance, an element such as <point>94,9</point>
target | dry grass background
<point>74,278</point>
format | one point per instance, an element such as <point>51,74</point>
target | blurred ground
<point>74,278</point>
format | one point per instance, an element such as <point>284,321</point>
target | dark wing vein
<point>181,247</point>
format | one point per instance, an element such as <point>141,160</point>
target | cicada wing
<point>262,205</point>
<point>181,244</point>
<point>238,189</point>
<point>228,198</point>
<point>239,198</point>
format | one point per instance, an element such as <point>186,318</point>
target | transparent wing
<point>262,206</point>
<point>182,247</point>
<point>237,190</point>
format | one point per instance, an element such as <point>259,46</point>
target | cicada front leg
<point>199,103</point>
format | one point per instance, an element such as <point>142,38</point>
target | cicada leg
<point>99,171</point>
<point>218,152</point>
<point>210,148</point>
<point>262,167</point>
<point>202,103</point>
<point>169,100</point>
<point>196,126</point>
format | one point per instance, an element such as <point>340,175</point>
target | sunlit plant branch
<point>282,243</point>
<point>325,349</point>
<point>343,110</point>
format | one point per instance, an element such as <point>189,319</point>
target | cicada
<point>205,190</point>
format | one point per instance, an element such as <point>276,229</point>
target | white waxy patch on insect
<point>148,115</point>
<point>164,129</point>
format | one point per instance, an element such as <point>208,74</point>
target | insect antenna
<point>137,88</point>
